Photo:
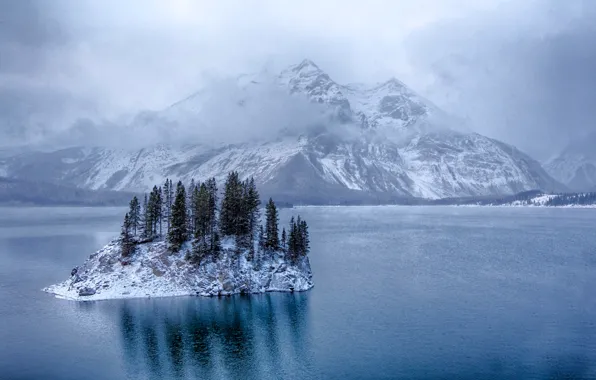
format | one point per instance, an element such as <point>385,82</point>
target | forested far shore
<point>18,192</point>
<point>179,214</point>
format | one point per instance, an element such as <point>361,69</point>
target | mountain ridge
<point>363,141</point>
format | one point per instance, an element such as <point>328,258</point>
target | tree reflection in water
<point>256,336</point>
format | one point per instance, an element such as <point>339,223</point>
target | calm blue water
<point>400,292</point>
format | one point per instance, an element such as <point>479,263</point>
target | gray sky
<point>521,71</point>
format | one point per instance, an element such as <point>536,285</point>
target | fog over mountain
<point>399,98</point>
<point>304,137</point>
<point>517,71</point>
<point>523,72</point>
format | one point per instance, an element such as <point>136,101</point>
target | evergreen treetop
<point>178,228</point>
<point>271,226</point>
<point>127,245</point>
<point>135,214</point>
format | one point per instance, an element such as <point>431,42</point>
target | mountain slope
<point>369,142</point>
<point>576,165</point>
<point>305,169</point>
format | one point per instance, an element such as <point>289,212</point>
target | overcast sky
<point>522,71</point>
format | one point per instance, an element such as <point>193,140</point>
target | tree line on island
<point>194,213</point>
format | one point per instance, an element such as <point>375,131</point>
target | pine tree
<point>194,206</point>
<point>201,212</point>
<point>271,226</point>
<point>261,238</point>
<point>135,214</point>
<point>252,203</point>
<point>292,240</point>
<point>189,213</point>
<point>283,239</point>
<point>145,219</point>
<point>300,237</point>
<point>152,214</point>
<point>168,199</point>
<point>242,220</point>
<point>178,229</point>
<point>304,238</point>
<point>298,241</point>
<point>159,209</point>
<point>211,185</point>
<point>231,206</point>
<point>127,246</point>
<point>155,205</point>
<point>215,245</point>
<point>200,250</point>
<point>204,206</point>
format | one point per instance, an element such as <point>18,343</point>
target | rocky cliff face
<point>154,272</point>
<point>386,141</point>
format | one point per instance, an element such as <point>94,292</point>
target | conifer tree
<point>245,217</point>
<point>194,207</point>
<point>145,219</point>
<point>271,226</point>
<point>159,209</point>
<point>252,203</point>
<point>304,238</point>
<point>201,212</point>
<point>168,199</point>
<point>155,206</point>
<point>298,240</point>
<point>135,214</point>
<point>298,236</point>
<point>204,206</point>
<point>200,250</point>
<point>283,239</point>
<point>231,206</point>
<point>292,240</point>
<point>211,185</point>
<point>261,238</point>
<point>151,216</point>
<point>215,245</point>
<point>189,213</point>
<point>178,229</point>
<point>127,246</point>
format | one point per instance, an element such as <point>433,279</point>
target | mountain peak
<point>306,66</point>
<point>393,83</point>
<point>305,74</point>
<point>394,80</point>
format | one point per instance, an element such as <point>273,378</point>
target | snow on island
<point>152,271</point>
<point>190,258</point>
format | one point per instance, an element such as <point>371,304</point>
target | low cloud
<point>523,73</point>
<point>225,111</point>
<point>519,71</point>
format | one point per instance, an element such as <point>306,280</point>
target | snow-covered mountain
<point>372,142</point>
<point>576,165</point>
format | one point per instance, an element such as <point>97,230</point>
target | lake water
<point>400,292</point>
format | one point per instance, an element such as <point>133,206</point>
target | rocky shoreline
<point>154,271</point>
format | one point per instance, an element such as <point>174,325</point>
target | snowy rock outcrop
<point>152,271</point>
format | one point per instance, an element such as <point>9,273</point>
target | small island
<point>183,241</point>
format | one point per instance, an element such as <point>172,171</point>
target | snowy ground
<point>154,272</point>
<point>541,201</point>
<point>536,201</point>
